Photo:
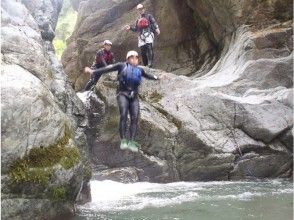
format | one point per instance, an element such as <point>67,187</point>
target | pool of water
<point>270,200</point>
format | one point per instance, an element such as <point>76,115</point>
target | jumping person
<point>145,26</point>
<point>103,58</point>
<point>129,80</point>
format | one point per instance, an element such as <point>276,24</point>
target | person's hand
<point>157,31</point>
<point>88,70</point>
<point>127,27</point>
<point>162,77</point>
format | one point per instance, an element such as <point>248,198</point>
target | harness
<point>145,30</point>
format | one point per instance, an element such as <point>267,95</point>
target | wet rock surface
<point>223,125</point>
<point>43,142</point>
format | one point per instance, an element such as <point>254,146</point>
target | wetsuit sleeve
<point>135,27</point>
<point>109,68</point>
<point>149,76</point>
<point>153,22</point>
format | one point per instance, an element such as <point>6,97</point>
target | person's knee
<point>123,117</point>
<point>134,119</point>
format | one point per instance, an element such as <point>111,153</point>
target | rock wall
<point>43,143</point>
<point>231,118</point>
<point>194,33</point>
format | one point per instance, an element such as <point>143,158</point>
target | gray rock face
<point>40,112</point>
<point>124,175</point>
<point>30,116</point>
<point>194,32</point>
<point>46,15</point>
<point>32,207</point>
<point>75,4</point>
<point>103,140</point>
<point>232,123</point>
<point>232,113</point>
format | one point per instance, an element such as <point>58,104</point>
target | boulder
<point>30,115</point>
<point>44,147</point>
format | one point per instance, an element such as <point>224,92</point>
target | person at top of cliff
<point>146,27</point>
<point>129,79</point>
<point>103,57</point>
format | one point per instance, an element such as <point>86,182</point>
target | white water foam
<point>109,195</point>
<point>114,196</point>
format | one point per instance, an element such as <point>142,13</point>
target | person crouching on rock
<point>145,26</point>
<point>103,58</point>
<point>129,79</point>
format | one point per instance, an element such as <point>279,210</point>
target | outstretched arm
<point>149,76</point>
<point>109,68</point>
<point>132,28</point>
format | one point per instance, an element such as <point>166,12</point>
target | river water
<point>270,200</point>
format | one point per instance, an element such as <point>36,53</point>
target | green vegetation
<point>59,46</point>
<point>65,26</point>
<point>37,165</point>
<point>87,172</point>
<point>59,193</point>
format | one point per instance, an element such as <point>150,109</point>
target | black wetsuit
<point>127,97</point>
<point>102,59</point>
<point>147,49</point>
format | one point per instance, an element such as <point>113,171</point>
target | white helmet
<point>107,42</point>
<point>132,53</point>
<point>140,6</point>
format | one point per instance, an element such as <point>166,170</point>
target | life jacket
<point>107,55</point>
<point>143,23</point>
<point>131,76</point>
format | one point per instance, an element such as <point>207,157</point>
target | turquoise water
<point>270,200</point>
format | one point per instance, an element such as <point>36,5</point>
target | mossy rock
<point>59,193</point>
<point>37,165</point>
<point>87,172</point>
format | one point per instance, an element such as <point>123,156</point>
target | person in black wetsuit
<point>146,27</point>
<point>129,78</point>
<point>103,58</point>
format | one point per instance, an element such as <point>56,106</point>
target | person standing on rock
<point>129,80</point>
<point>103,58</point>
<point>145,26</point>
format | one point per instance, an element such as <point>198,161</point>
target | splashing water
<point>269,200</point>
